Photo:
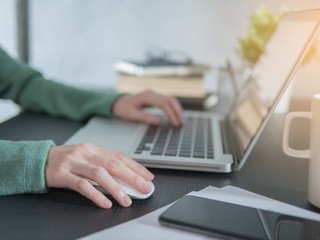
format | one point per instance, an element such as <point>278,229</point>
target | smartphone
<point>232,221</point>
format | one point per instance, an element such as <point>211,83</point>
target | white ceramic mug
<point>313,153</point>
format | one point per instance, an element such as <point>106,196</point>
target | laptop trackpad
<point>113,134</point>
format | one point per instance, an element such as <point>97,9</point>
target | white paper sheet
<point>148,227</point>
<point>8,110</point>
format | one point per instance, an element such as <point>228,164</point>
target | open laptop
<point>210,141</point>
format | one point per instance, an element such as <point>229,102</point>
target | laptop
<point>210,141</point>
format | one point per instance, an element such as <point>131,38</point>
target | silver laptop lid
<point>271,76</point>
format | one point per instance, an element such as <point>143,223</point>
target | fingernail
<point>107,204</point>
<point>149,175</point>
<point>147,187</point>
<point>153,120</point>
<point>127,201</point>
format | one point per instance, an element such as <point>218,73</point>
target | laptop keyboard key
<point>185,154</point>
<point>198,154</point>
<point>138,151</point>
<point>157,151</point>
<point>170,152</point>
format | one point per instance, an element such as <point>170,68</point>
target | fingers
<point>136,167</point>
<point>130,107</point>
<point>86,189</point>
<point>177,109</point>
<point>103,178</point>
<point>169,105</point>
<point>133,174</point>
<point>148,118</point>
<point>72,165</point>
<point>102,154</point>
<point>124,168</point>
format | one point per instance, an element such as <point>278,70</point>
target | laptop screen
<point>270,77</point>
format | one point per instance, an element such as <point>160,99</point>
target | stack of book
<point>185,81</point>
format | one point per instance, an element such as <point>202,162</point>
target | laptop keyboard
<point>193,139</point>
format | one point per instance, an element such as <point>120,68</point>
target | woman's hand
<point>130,107</point>
<point>69,166</point>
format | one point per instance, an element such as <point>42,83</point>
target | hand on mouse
<point>130,107</point>
<point>68,166</point>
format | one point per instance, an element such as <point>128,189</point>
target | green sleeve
<point>22,166</point>
<point>30,89</point>
<point>22,163</point>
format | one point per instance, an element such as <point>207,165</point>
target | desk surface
<point>63,214</point>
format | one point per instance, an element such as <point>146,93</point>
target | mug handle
<point>285,139</point>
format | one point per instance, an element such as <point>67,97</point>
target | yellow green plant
<point>262,25</point>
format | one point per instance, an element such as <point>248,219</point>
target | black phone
<point>232,221</point>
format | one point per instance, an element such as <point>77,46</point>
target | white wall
<point>8,42</point>
<point>76,41</point>
<point>7,26</point>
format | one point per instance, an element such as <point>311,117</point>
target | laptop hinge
<point>231,142</point>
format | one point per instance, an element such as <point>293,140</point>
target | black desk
<point>63,214</point>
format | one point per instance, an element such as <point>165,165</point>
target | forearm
<point>31,90</point>
<point>66,101</point>
<point>22,166</point>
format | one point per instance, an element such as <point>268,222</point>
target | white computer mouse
<point>132,192</point>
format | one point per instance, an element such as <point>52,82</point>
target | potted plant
<point>262,26</point>
<point>251,46</point>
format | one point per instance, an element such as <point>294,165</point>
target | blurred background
<point>77,41</point>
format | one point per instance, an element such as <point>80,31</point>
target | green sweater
<point>22,163</point>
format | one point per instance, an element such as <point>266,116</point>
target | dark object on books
<point>160,67</point>
<point>208,102</point>
<point>232,221</point>
<point>193,103</point>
